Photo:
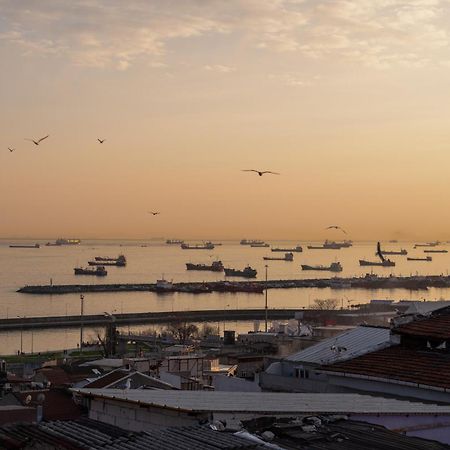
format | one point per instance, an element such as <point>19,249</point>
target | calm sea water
<point>148,261</point>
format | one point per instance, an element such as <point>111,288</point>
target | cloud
<point>117,34</point>
<point>219,68</point>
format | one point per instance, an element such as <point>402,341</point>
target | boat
<point>428,244</point>
<point>25,246</point>
<point>216,266</point>
<point>214,243</point>
<point>99,271</point>
<point>394,252</point>
<point>163,285</point>
<point>287,257</point>
<point>297,249</point>
<point>383,261</point>
<point>205,246</point>
<point>174,242</point>
<point>248,272</point>
<point>427,258</point>
<point>435,251</point>
<point>331,245</point>
<point>260,244</point>
<point>62,241</point>
<point>333,267</point>
<point>251,241</point>
<point>120,261</point>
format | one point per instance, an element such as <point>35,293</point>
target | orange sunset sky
<point>348,100</point>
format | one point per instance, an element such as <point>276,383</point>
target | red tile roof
<point>63,376</point>
<point>430,368</point>
<point>434,327</point>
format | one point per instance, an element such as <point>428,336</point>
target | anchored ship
<point>333,267</point>
<point>216,266</point>
<point>248,272</point>
<point>120,261</point>
<point>435,251</point>
<point>383,261</point>
<point>427,258</point>
<point>62,241</point>
<point>25,246</point>
<point>331,245</point>
<point>287,257</point>
<point>99,271</point>
<point>394,252</point>
<point>174,242</point>
<point>205,246</point>
<point>297,249</point>
<point>260,244</point>
<point>251,242</point>
<point>428,244</point>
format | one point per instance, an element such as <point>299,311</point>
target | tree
<point>182,332</point>
<point>326,303</point>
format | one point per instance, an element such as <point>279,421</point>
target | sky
<point>348,100</point>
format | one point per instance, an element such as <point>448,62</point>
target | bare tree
<point>182,332</point>
<point>326,303</point>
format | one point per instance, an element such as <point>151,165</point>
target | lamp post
<point>81,321</point>
<point>21,334</point>
<point>265,292</point>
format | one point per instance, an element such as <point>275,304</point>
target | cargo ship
<point>427,258</point>
<point>435,251</point>
<point>174,242</point>
<point>251,241</point>
<point>333,267</point>
<point>260,244</point>
<point>120,261</point>
<point>205,246</point>
<point>331,245</point>
<point>99,271</point>
<point>25,246</point>
<point>428,244</point>
<point>383,261</point>
<point>61,241</point>
<point>216,266</point>
<point>297,249</point>
<point>287,257</point>
<point>394,252</point>
<point>248,272</point>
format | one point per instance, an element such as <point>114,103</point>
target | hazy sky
<point>349,100</point>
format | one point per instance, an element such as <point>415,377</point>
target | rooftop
<point>85,433</point>
<point>350,344</point>
<point>420,367</point>
<point>436,326</point>
<point>265,402</point>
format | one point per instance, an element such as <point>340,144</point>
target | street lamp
<point>21,334</point>
<point>266,266</point>
<point>81,321</point>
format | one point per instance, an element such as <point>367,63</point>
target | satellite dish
<point>40,398</point>
<point>28,399</point>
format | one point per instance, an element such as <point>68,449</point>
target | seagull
<point>336,227</point>
<point>11,149</point>
<point>154,213</point>
<point>261,172</point>
<point>38,141</point>
<point>101,140</point>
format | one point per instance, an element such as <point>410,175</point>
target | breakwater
<point>94,320</point>
<point>367,282</point>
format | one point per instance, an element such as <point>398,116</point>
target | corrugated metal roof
<point>350,344</point>
<point>267,402</point>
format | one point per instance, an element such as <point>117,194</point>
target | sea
<point>150,260</point>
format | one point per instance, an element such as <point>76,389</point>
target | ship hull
<point>376,264</point>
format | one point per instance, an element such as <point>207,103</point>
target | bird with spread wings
<point>37,141</point>
<point>260,172</point>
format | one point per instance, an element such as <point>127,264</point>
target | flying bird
<point>101,140</point>
<point>154,213</point>
<point>38,141</point>
<point>336,227</point>
<point>261,172</point>
<point>11,149</point>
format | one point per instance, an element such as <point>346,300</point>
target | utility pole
<point>265,292</point>
<point>81,321</point>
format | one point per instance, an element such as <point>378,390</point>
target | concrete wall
<point>137,418</point>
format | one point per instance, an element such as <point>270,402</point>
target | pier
<point>369,281</point>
